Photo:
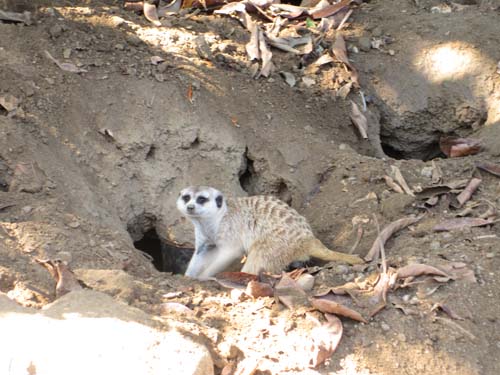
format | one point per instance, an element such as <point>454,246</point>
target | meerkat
<point>271,234</point>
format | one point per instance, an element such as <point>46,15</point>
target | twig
<point>387,232</point>
<point>359,235</point>
<point>344,20</point>
<point>381,244</point>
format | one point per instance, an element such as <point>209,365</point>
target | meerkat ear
<point>218,201</point>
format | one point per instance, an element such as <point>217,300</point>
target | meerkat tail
<point>315,249</point>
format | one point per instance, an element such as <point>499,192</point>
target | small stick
<point>381,244</point>
<point>344,20</point>
<point>359,235</point>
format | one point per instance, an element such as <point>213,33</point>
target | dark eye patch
<point>218,201</point>
<point>186,198</point>
<point>201,200</point>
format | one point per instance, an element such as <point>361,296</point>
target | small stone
<point>133,40</point>
<point>490,255</point>
<point>377,32</point>
<point>385,327</point>
<point>67,53</point>
<point>341,269</point>
<point>27,209</point>
<point>203,48</point>
<point>401,337</point>
<point>289,78</point>
<point>308,81</point>
<point>65,256</point>
<point>435,245</point>
<point>56,31</point>
<point>392,52</point>
<point>74,224</point>
<point>427,172</point>
<point>119,46</point>
<point>117,21</point>
<point>162,68</point>
<point>364,43</point>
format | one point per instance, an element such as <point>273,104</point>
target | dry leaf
<point>9,102</point>
<point>461,223</point>
<point>455,147</point>
<point>238,280</point>
<point>151,13</point>
<point>359,120</point>
<point>393,185</point>
<point>328,306</point>
<point>68,67</point>
<point>465,195</point>
<point>446,309</point>
<point>492,168</point>
<point>414,270</point>
<point>168,307</point>
<point>290,293</point>
<point>398,176</point>
<point>329,10</point>
<point>66,280</point>
<point>190,93</point>
<point>387,232</point>
<point>155,60</point>
<point>258,289</point>
<point>325,340</point>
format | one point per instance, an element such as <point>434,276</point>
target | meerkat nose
<point>190,207</point>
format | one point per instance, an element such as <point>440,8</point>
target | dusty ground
<point>91,162</point>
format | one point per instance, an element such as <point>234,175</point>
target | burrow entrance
<point>165,256</point>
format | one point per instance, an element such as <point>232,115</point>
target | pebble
<point>65,256</point>
<point>377,32</point>
<point>435,245</point>
<point>56,31</point>
<point>364,43</point>
<point>401,337</point>
<point>27,209</point>
<point>67,53</point>
<point>385,327</point>
<point>426,172</point>
<point>490,255</point>
<point>133,40</point>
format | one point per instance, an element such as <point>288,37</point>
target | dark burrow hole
<point>247,174</point>
<point>165,256</point>
<point>424,153</point>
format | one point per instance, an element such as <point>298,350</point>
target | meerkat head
<point>201,202</point>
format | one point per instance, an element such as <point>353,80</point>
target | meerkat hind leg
<point>316,249</point>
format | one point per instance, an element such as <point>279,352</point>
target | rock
<point>203,48</point>
<point>426,172</point>
<point>63,336</point>
<point>377,32</point>
<point>385,327</point>
<point>67,53</point>
<point>134,40</point>
<point>435,245</point>
<point>56,31</point>
<point>364,43</point>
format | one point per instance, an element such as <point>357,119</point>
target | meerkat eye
<point>218,201</point>
<point>201,200</point>
<point>186,198</point>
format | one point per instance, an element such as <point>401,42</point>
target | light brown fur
<point>269,232</point>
